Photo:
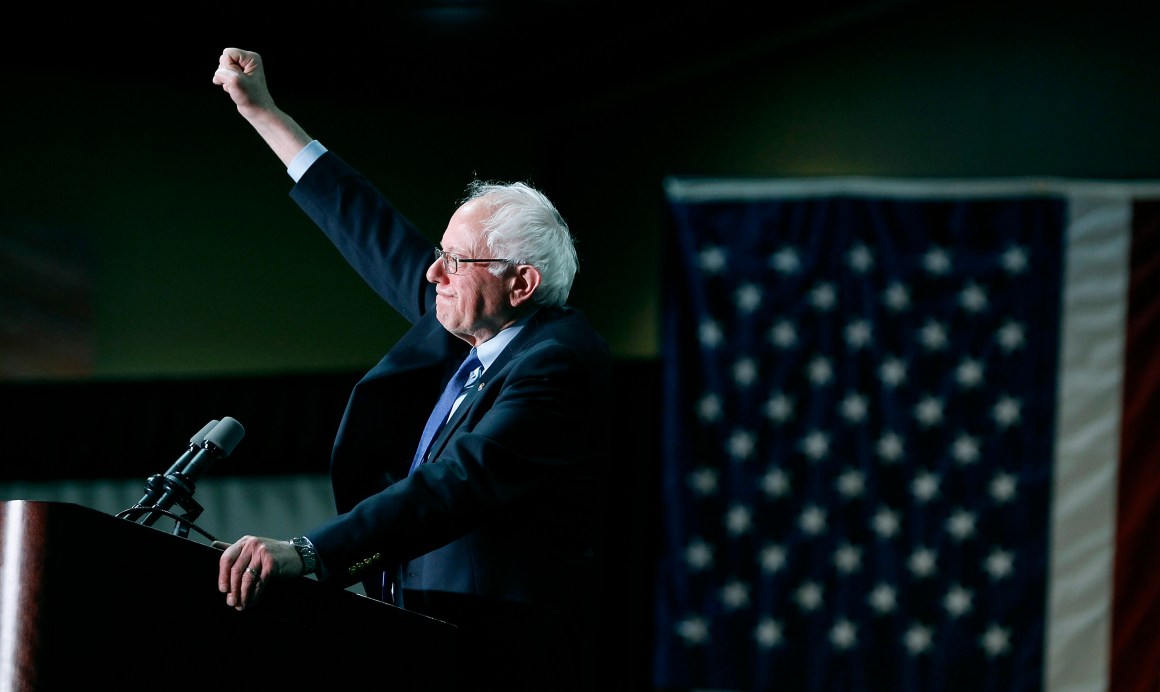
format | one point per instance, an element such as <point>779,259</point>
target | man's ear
<point>525,280</point>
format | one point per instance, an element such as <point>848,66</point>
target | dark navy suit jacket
<point>498,531</point>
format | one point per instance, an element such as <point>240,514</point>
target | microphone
<point>178,483</point>
<point>153,490</point>
<point>195,443</point>
<point>219,444</point>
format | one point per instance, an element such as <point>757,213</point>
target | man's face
<point>471,303</point>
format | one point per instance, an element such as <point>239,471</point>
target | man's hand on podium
<point>248,563</point>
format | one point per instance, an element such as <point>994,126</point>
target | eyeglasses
<point>451,262</point>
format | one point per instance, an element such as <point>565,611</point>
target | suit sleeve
<point>387,250</point>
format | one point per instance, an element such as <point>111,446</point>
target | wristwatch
<point>308,554</point>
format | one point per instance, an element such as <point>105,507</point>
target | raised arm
<point>241,74</point>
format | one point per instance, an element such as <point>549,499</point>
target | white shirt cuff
<point>304,158</point>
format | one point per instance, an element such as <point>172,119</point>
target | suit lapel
<point>493,371</point>
<point>461,413</point>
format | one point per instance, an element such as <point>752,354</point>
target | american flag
<point>905,436</point>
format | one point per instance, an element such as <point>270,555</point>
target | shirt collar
<point>489,350</point>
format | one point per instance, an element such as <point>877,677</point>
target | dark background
<point>205,291</point>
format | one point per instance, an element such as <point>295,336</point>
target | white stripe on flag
<point>1087,443</point>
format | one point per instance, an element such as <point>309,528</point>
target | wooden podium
<point>89,600</point>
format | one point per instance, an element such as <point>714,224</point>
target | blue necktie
<point>464,377</point>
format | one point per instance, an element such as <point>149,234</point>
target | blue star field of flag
<point>858,419</point>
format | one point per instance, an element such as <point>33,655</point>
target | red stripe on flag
<point>1135,652</point>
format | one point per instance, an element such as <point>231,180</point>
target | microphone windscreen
<point>226,435</point>
<point>199,437</point>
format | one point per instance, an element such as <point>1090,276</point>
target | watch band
<point>307,553</point>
